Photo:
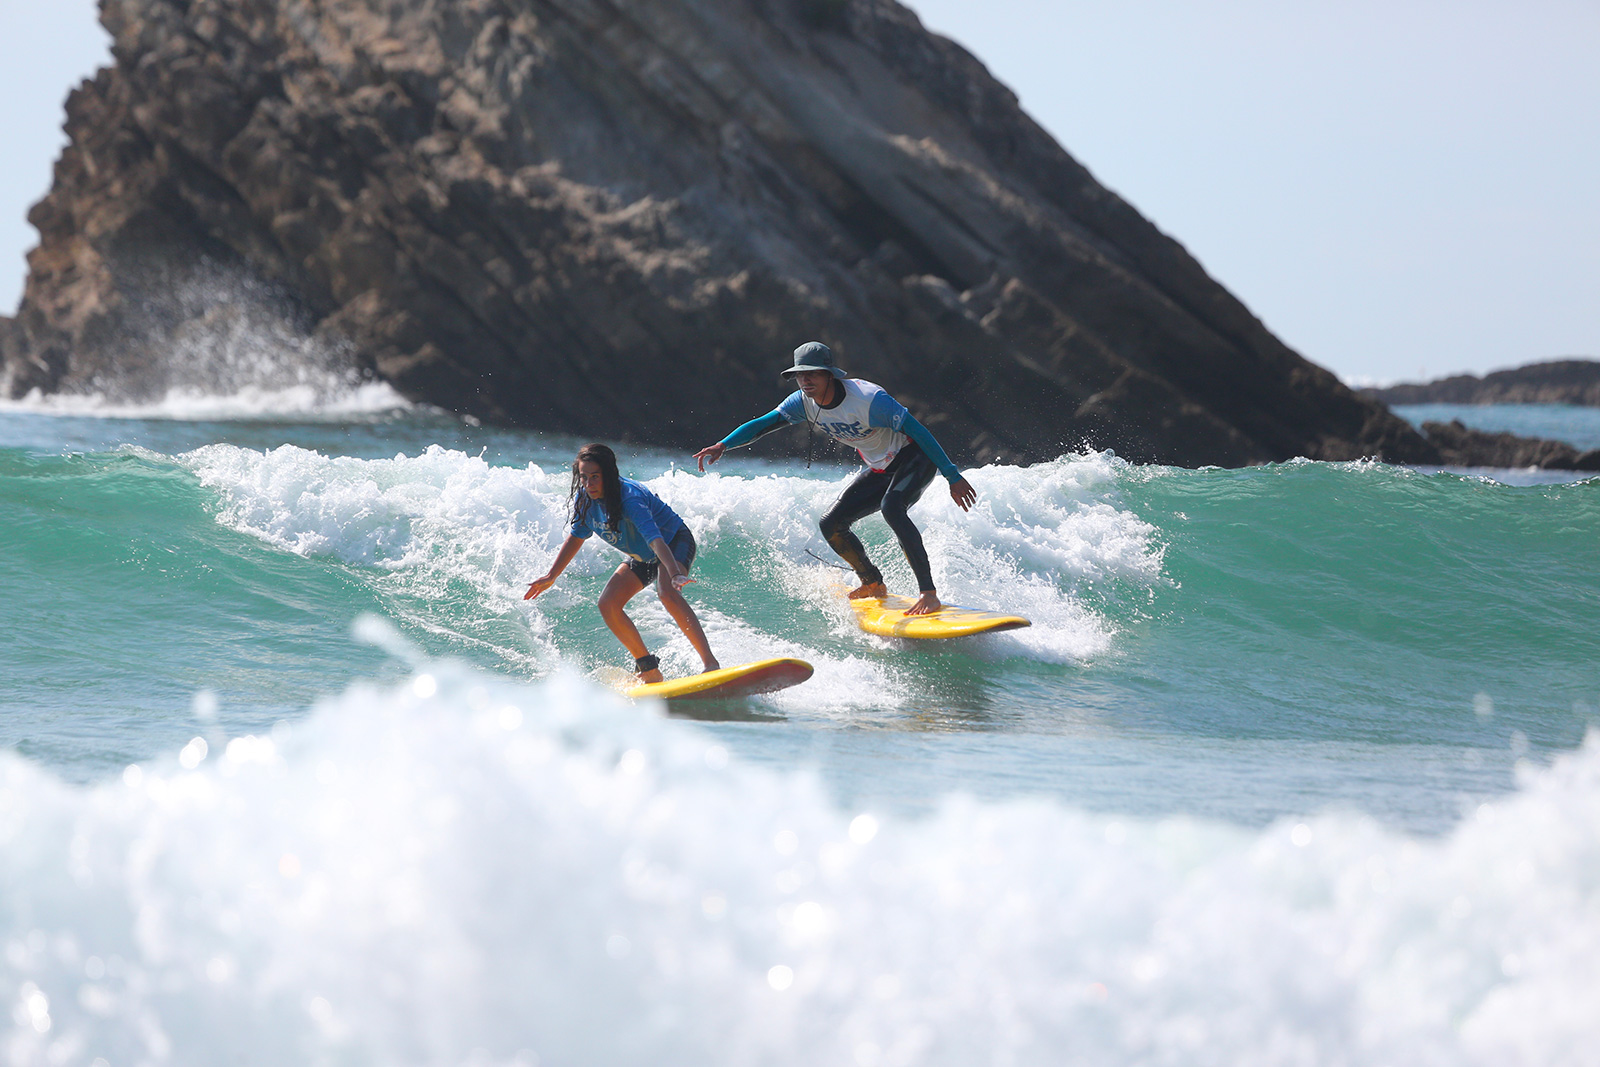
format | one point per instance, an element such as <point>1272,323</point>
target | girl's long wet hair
<point>610,482</point>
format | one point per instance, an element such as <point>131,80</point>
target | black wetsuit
<point>892,491</point>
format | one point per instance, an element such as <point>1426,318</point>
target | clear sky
<point>46,48</point>
<point>1395,187</point>
<point>1398,189</point>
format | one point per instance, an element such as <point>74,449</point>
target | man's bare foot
<point>926,604</point>
<point>711,665</point>
<point>867,589</point>
<point>651,675</point>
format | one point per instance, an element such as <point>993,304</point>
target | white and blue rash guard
<point>867,419</point>
<point>645,517</point>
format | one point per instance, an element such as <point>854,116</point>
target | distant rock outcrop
<point>1562,381</point>
<point>616,217</point>
<point>1462,446</point>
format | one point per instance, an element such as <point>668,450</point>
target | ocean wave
<point>468,869</point>
<point>1038,541</point>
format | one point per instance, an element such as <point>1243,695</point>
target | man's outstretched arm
<point>745,434</point>
<point>961,490</point>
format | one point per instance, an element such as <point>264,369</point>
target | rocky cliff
<point>616,217</point>
<point>1561,381</point>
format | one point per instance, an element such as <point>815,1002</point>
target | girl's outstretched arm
<point>569,549</point>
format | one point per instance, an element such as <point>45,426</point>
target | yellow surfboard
<point>748,679</point>
<point>886,616</point>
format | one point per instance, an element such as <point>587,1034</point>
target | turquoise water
<point>1285,763</point>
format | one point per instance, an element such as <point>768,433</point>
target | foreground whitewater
<point>466,869</point>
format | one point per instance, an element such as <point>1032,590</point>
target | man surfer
<point>900,454</point>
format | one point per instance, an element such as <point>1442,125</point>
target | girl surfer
<point>635,520</point>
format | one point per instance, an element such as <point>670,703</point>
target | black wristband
<point>646,663</point>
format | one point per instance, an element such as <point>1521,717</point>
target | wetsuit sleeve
<point>930,448</point>
<point>772,420</point>
<point>793,408</point>
<point>886,411</point>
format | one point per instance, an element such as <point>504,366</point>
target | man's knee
<point>894,510</point>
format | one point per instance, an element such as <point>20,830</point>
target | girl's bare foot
<point>868,589</point>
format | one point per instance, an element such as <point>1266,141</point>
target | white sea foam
<point>468,870</point>
<point>233,347</point>
<point>327,397</point>
<point>1037,541</point>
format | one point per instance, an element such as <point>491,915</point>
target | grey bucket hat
<point>814,355</point>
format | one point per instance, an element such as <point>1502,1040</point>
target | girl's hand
<point>681,580</point>
<point>537,586</point>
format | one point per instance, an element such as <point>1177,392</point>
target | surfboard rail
<point>747,679</point>
<point>886,616</point>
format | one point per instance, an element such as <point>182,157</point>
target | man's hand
<point>681,580</point>
<point>963,494</point>
<point>537,586</point>
<point>710,454</point>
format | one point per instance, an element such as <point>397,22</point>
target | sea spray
<point>468,869</point>
<point>338,397</point>
<point>431,525</point>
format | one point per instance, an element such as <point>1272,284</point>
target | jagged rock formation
<point>617,217</point>
<point>1562,381</point>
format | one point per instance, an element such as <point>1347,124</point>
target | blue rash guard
<point>886,420</point>
<point>645,517</point>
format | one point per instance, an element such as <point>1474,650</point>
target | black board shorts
<point>681,546</point>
